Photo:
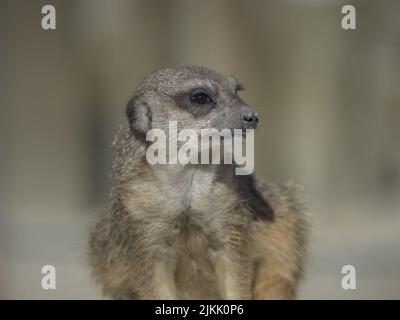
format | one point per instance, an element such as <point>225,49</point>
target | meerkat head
<point>195,97</point>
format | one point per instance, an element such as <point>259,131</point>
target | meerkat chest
<point>193,200</point>
<point>199,188</point>
<point>194,190</point>
<point>190,206</point>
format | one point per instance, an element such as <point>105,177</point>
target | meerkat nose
<point>250,120</point>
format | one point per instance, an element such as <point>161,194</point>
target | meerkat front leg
<point>235,278</point>
<point>163,283</point>
<point>234,269</point>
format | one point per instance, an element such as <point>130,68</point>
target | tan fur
<point>189,232</point>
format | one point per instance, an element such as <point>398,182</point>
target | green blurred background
<point>328,98</point>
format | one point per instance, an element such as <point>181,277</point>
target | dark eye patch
<point>200,98</point>
<point>199,101</point>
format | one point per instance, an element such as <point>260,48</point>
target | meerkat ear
<point>139,116</point>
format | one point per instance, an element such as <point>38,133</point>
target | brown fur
<point>194,231</point>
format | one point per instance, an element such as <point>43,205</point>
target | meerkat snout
<point>250,120</point>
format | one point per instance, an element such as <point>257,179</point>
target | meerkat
<point>194,231</point>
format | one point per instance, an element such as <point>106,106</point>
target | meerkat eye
<point>200,98</point>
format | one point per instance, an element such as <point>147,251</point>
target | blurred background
<point>328,98</point>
